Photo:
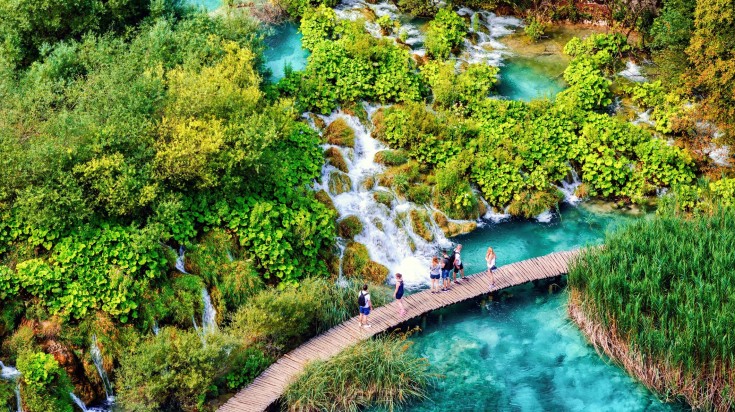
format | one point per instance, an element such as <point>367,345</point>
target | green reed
<point>666,287</point>
<point>378,372</point>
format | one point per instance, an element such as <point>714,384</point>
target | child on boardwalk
<point>365,306</point>
<point>398,294</point>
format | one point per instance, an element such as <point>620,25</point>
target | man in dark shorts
<point>446,270</point>
<point>457,263</point>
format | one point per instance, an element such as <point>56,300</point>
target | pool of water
<point>523,78</point>
<point>210,5</point>
<point>521,353</point>
<point>283,48</point>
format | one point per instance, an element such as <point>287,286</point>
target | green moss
<point>356,109</point>
<point>374,272</point>
<point>323,197</point>
<point>452,229</point>
<point>340,133</point>
<point>350,226</point>
<point>419,193</point>
<point>356,264</point>
<point>400,178</point>
<point>383,196</point>
<point>420,223</point>
<point>530,204</point>
<point>335,158</point>
<point>391,157</point>
<point>339,183</point>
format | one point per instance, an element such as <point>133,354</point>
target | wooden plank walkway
<point>265,390</point>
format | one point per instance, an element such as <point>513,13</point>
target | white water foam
<point>180,262</point>
<point>97,359</point>
<point>12,374</point>
<point>633,72</point>
<point>209,314</point>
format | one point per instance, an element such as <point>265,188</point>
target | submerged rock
<point>339,183</point>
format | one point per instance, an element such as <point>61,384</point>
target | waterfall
<point>569,187</point>
<point>488,28</point>
<point>633,72</point>
<point>388,233</point>
<point>155,328</point>
<point>180,266</point>
<point>12,374</point>
<point>209,315</point>
<point>78,402</point>
<point>97,359</point>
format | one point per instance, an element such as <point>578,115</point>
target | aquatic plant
<point>659,299</point>
<point>379,372</point>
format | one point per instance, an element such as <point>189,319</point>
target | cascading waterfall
<point>12,374</point>
<point>487,28</point>
<point>97,359</point>
<point>569,187</point>
<point>180,262</point>
<point>155,327</point>
<point>388,233</point>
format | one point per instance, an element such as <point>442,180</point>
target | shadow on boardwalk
<point>267,388</point>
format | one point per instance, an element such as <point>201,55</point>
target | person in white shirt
<point>490,260</point>
<point>365,306</point>
<point>458,266</point>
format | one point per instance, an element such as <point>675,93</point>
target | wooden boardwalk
<point>265,390</point>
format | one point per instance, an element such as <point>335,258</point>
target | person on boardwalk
<point>366,305</point>
<point>458,266</point>
<point>435,272</point>
<point>490,260</point>
<point>446,269</point>
<point>398,294</point>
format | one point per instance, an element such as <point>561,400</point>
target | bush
<point>445,33</point>
<point>453,195</point>
<point>246,366</point>
<point>46,386</point>
<point>660,290</point>
<point>388,376</point>
<point>391,157</point>
<point>417,8</point>
<point>419,194</point>
<point>534,29</point>
<point>175,370</point>
<point>350,226</point>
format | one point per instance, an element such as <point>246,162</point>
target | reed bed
<point>660,299</point>
<point>379,372</point>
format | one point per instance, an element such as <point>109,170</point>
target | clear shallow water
<point>527,79</point>
<point>283,47</point>
<point>523,354</point>
<point>210,5</point>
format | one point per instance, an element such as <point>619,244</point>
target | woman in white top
<point>490,260</point>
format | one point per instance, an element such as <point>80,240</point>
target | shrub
<point>246,366</point>
<point>417,8</point>
<point>46,386</point>
<point>419,194</point>
<point>350,226</point>
<point>388,376</point>
<point>534,29</point>
<point>659,293</point>
<point>445,33</point>
<point>453,195</point>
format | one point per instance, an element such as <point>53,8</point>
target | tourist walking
<point>446,270</point>
<point>398,294</point>
<point>490,260</point>
<point>435,272</point>
<point>457,262</point>
<point>365,306</point>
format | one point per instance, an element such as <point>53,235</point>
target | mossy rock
<point>356,109</point>
<point>340,133</point>
<point>391,157</point>
<point>421,224</point>
<point>452,229</point>
<point>335,158</point>
<point>383,196</point>
<point>333,265</point>
<point>339,183</point>
<point>368,14</point>
<point>323,197</point>
<point>350,226</point>
<point>368,183</point>
<point>375,273</point>
<point>318,121</point>
<point>530,204</point>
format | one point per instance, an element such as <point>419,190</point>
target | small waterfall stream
<point>180,262</point>
<point>97,359</point>
<point>78,402</point>
<point>209,314</point>
<point>12,374</point>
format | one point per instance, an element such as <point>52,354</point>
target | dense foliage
<point>664,287</point>
<point>377,372</point>
<point>445,33</point>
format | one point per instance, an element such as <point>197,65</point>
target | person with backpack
<point>365,306</point>
<point>458,266</point>
<point>446,270</point>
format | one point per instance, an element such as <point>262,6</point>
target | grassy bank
<point>659,299</point>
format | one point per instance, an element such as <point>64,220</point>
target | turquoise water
<point>522,353</point>
<point>283,47</point>
<point>210,5</point>
<point>527,79</point>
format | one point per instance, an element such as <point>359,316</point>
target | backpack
<point>361,299</point>
<point>450,259</point>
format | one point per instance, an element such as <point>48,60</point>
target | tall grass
<point>665,288</point>
<point>378,372</point>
